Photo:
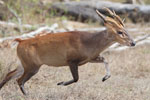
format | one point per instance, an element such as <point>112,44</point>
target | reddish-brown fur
<point>71,49</point>
<point>60,48</point>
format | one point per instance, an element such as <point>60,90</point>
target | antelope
<point>72,49</point>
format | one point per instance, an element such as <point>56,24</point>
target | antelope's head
<point>115,27</point>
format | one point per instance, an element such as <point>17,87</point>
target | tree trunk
<point>85,10</point>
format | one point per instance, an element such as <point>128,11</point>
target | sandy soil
<point>130,71</point>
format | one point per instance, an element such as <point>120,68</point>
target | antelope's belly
<point>54,61</point>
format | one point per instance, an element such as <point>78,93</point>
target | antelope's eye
<point>119,32</point>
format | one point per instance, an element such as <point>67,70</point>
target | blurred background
<point>130,67</point>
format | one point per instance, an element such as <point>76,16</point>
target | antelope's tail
<point>18,40</point>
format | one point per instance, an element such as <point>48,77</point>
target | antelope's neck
<point>103,40</point>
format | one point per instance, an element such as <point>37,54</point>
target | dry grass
<point>130,79</point>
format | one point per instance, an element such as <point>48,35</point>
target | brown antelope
<point>71,49</point>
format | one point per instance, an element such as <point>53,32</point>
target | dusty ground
<point>130,69</point>
<point>129,81</point>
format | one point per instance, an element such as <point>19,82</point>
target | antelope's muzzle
<point>132,43</point>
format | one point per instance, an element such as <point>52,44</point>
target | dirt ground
<point>130,71</point>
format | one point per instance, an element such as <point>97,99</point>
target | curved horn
<point>119,19</point>
<point>114,15</point>
<point>109,11</point>
<point>123,20</point>
<point>101,15</point>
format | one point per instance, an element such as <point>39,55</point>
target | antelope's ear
<point>101,16</point>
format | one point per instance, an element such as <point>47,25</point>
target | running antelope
<point>71,49</point>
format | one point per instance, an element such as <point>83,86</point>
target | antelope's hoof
<point>23,91</point>
<point>105,77</point>
<point>61,83</point>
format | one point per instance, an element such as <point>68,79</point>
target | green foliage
<point>52,12</point>
<point>63,17</point>
<point>26,8</point>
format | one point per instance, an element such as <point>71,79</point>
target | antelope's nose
<point>133,44</point>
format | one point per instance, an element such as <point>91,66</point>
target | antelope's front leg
<point>100,59</point>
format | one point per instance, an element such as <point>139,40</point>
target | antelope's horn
<point>101,15</point>
<point>109,11</point>
<point>114,15</point>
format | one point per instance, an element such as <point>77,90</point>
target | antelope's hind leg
<point>74,71</point>
<point>26,76</point>
<point>100,59</point>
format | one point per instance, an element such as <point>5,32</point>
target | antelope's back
<point>52,49</point>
